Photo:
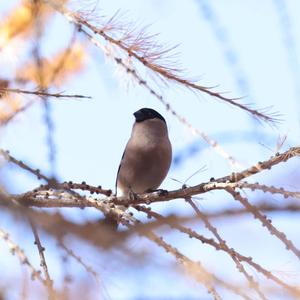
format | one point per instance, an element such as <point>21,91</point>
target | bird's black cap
<point>146,114</point>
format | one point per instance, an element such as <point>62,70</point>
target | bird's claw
<point>161,192</point>
<point>132,196</point>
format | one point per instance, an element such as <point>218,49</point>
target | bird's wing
<point>119,170</point>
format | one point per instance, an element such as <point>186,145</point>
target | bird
<point>145,161</point>
<point>147,156</point>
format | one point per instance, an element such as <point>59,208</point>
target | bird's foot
<point>132,195</point>
<point>161,192</point>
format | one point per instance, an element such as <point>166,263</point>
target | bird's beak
<point>138,116</point>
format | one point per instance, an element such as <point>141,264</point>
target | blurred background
<point>247,49</point>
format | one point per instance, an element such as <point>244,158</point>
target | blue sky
<point>245,48</point>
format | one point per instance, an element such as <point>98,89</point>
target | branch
<point>52,182</point>
<point>10,117</point>
<point>252,283</point>
<point>42,93</point>
<point>268,189</point>
<point>96,234</point>
<point>264,206</point>
<point>230,181</point>
<point>75,186</point>
<point>21,164</point>
<point>88,268</point>
<point>194,269</point>
<point>58,198</point>
<point>43,264</point>
<point>265,221</point>
<point>150,54</point>
<point>15,249</point>
<point>219,247</point>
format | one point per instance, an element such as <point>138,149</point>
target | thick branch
<point>223,183</point>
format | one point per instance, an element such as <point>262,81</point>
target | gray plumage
<point>147,156</point>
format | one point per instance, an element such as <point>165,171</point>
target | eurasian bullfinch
<point>147,157</point>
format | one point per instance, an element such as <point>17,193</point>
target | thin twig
<point>219,246</point>
<point>253,284</point>
<point>263,206</point>
<point>268,189</point>
<point>43,264</point>
<point>195,269</point>
<point>10,117</point>
<point>21,164</point>
<point>75,186</point>
<point>15,249</point>
<point>88,268</point>
<point>265,221</point>
<point>42,93</point>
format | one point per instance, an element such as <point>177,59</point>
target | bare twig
<point>43,264</point>
<point>268,189</point>
<point>264,206</point>
<point>253,284</point>
<point>75,186</point>
<point>88,268</point>
<point>15,249</point>
<point>265,221</point>
<point>42,93</point>
<point>24,166</point>
<point>10,117</point>
<point>220,246</point>
<point>195,269</point>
